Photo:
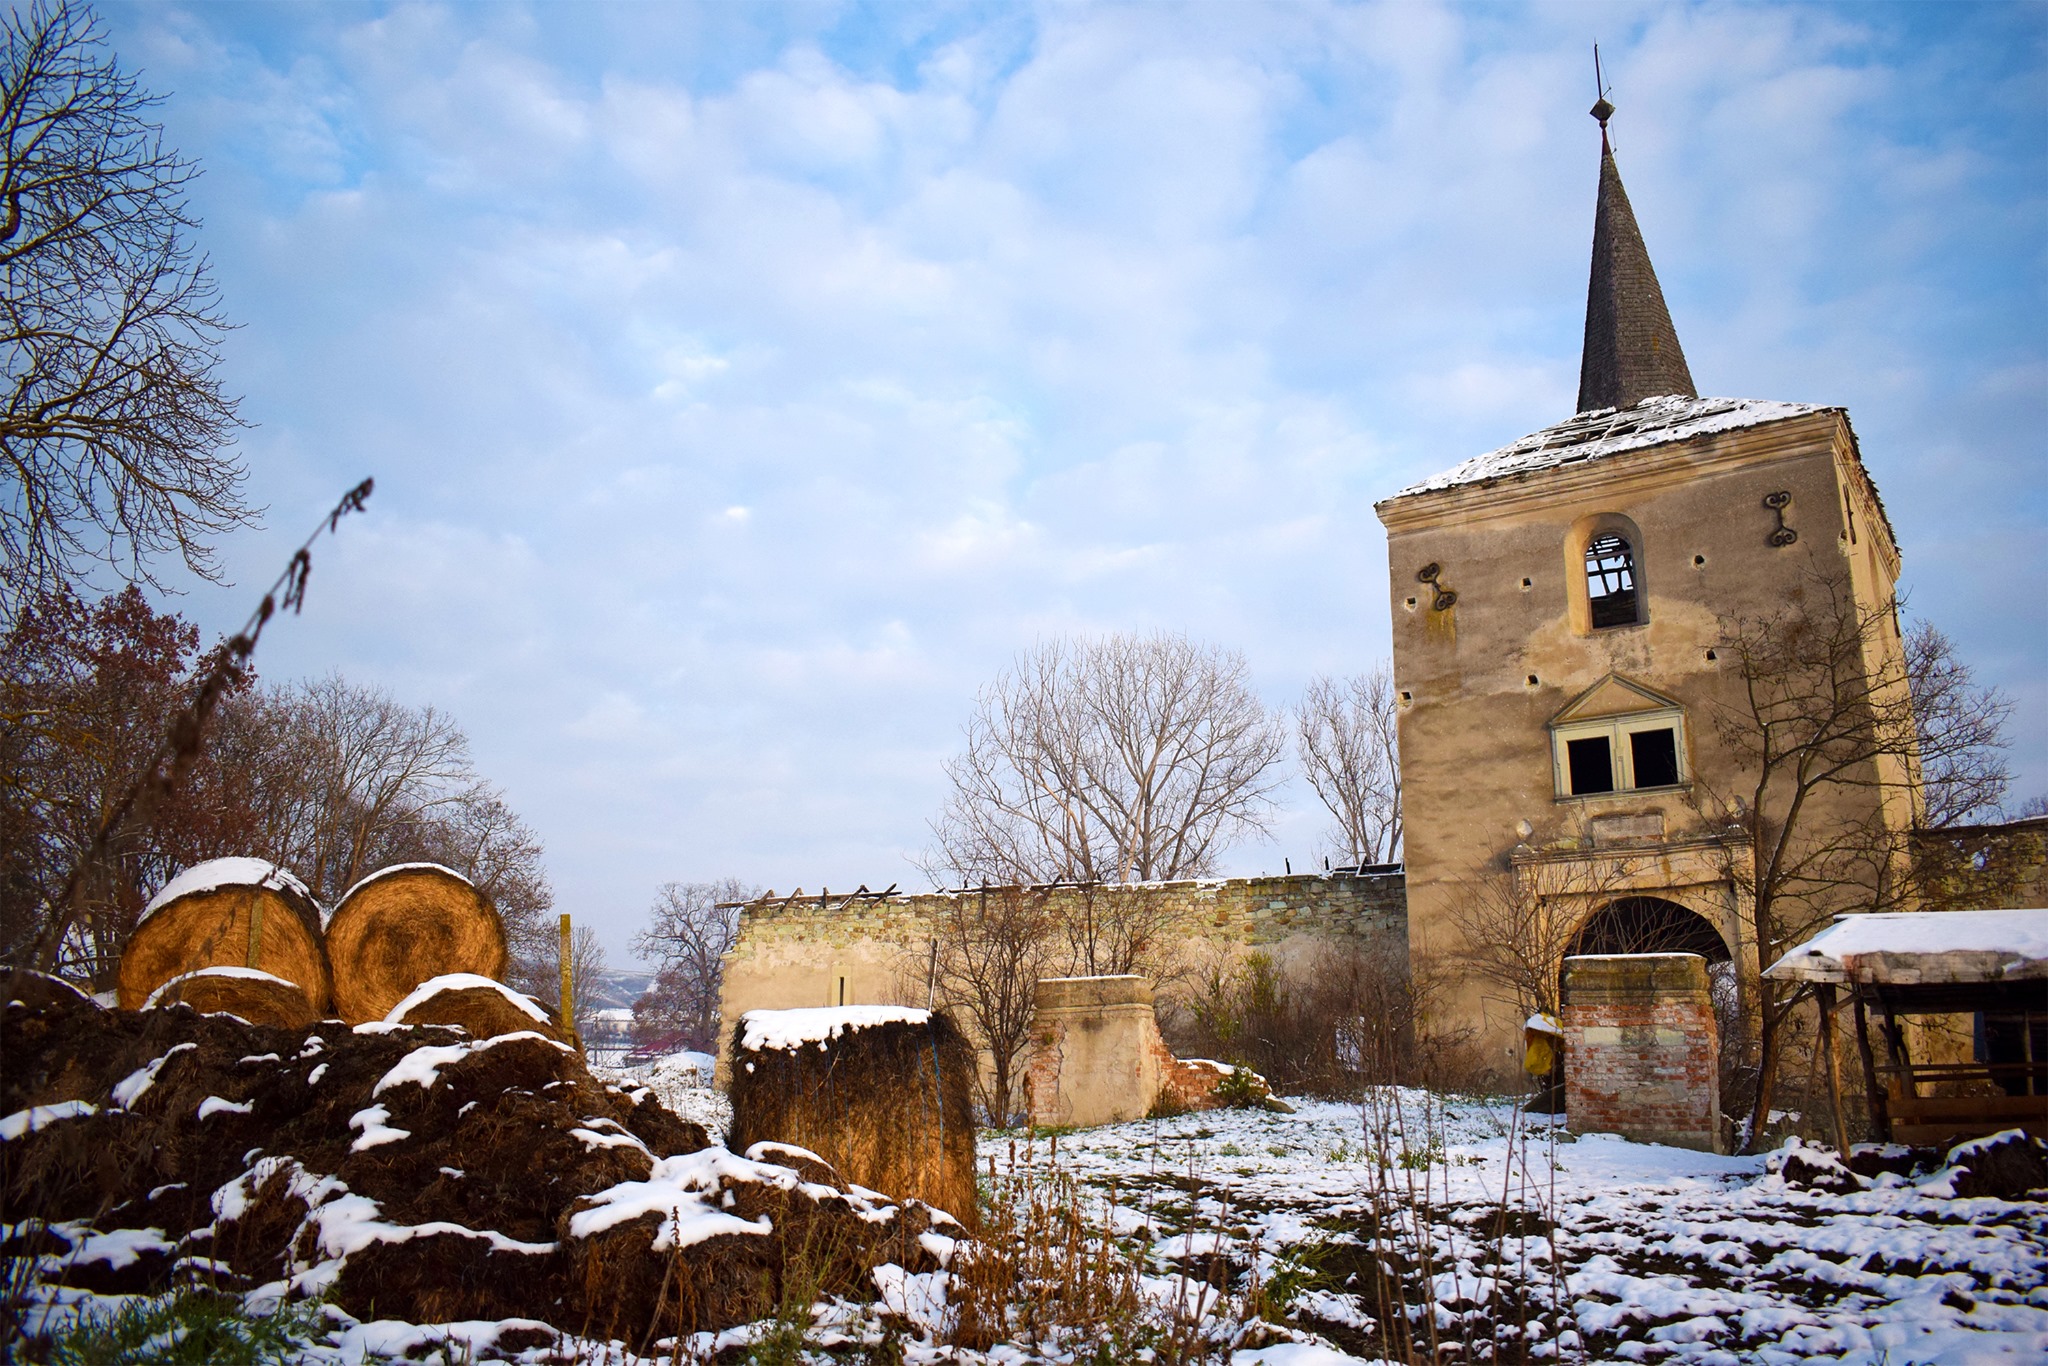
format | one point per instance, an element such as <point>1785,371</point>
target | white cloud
<point>745,390</point>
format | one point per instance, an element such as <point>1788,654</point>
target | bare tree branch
<point>1128,758</point>
<point>113,425</point>
<point>1344,731</point>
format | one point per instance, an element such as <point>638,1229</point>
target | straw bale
<point>476,1004</point>
<point>272,928</point>
<point>245,993</point>
<point>404,926</point>
<point>885,1102</point>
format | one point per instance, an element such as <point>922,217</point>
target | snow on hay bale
<point>879,1092</point>
<point>481,1007</point>
<point>230,912</point>
<point>245,993</point>
<point>406,925</point>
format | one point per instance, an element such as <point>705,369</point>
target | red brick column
<point>1641,1049</point>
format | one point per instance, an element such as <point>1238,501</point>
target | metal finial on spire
<point>1601,109</point>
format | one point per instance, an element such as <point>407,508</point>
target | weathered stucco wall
<point>839,950</point>
<point>1481,680</point>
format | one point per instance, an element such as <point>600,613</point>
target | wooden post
<point>1825,992</point>
<point>567,1012</point>
<point>1880,1116</point>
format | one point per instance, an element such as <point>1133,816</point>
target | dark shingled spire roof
<point>1632,351</point>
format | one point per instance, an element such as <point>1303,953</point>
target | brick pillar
<point>1641,1049</point>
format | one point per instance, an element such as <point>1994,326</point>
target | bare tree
<point>1833,727</point>
<point>991,948</point>
<point>1110,930</point>
<point>1125,758</point>
<point>1961,732</point>
<point>690,929</point>
<point>1344,731</point>
<point>113,425</point>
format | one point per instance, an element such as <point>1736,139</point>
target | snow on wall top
<point>818,1024</point>
<point>1922,946</point>
<point>224,872</point>
<point>1608,431</point>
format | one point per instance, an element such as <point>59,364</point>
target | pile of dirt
<point>408,1171</point>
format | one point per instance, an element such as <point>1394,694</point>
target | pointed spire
<point>1632,350</point>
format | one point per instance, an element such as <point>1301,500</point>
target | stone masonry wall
<point>1641,1049</point>
<point>833,949</point>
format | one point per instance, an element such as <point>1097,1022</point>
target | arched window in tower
<point>1611,581</point>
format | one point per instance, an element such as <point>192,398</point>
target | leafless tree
<point>690,929</point>
<point>366,779</point>
<point>991,947</point>
<point>113,425</point>
<point>1109,930</point>
<point>1124,758</point>
<point>1961,731</point>
<point>1832,724</point>
<point>1344,731</point>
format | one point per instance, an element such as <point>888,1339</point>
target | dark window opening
<point>1611,581</point>
<point>1591,764</point>
<point>1648,924</point>
<point>1654,753</point>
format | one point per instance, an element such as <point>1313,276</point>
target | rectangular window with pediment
<point>1634,753</point>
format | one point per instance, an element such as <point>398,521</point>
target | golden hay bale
<point>483,1007</point>
<point>258,997</point>
<point>882,1093</point>
<point>406,925</point>
<point>230,912</point>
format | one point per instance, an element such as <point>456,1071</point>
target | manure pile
<point>411,1171</point>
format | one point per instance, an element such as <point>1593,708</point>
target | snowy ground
<point>1666,1254</point>
<point>1661,1254</point>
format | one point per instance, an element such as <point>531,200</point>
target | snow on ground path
<point>1670,1255</point>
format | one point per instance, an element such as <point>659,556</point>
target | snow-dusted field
<point>1659,1254</point>
<point>1664,1254</point>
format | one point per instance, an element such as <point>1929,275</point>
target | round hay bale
<point>881,1093</point>
<point>407,925</point>
<point>483,1007</point>
<point>230,912</point>
<point>258,997</point>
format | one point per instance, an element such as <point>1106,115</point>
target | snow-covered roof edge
<point>2003,945</point>
<point>1604,432</point>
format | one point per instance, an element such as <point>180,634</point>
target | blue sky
<point>745,384</point>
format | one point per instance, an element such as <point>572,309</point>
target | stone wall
<point>1641,1048</point>
<point>1983,867</point>
<point>836,949</point>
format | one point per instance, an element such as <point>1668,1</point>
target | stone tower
<point>1557,605</point>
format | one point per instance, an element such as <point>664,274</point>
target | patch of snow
<point>376,1129</point>
<point>242,974</point>
<point>422,1067</point>
<point>784,1029</point>
<point>121,1247</point>
<point>1610,431</point>
<point>313,1077</point>
<point>23,1122</point>
<point>464,981</point>
<point>130,1088</point>
<point>214,1105</point>
<point>1539,1023</point>
<point>224,872</point>
<point>682,1190</point>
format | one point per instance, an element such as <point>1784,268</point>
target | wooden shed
<point>1992,965</point>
